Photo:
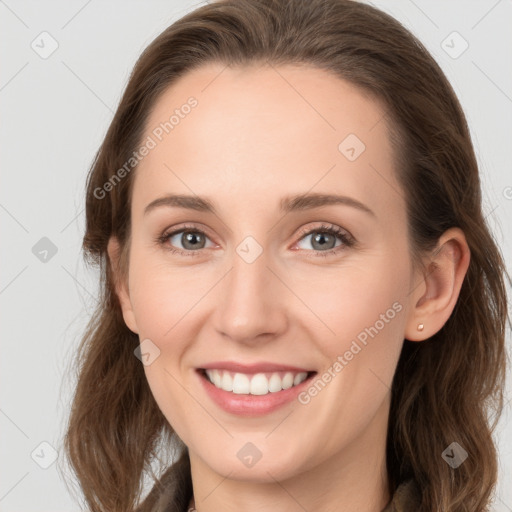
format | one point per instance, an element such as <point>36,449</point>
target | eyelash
<point>348,240</point>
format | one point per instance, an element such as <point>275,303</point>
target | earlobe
<point>121,286</point>
<point>434,298</point>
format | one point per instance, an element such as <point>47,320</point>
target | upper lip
<point>261,367</point>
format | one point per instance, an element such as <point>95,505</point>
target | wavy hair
<point>445,389</point>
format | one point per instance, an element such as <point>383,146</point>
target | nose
<point>251,306</point>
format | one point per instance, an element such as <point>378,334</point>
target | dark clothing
<point>406,498</point>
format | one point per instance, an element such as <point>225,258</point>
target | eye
<point>194,239</point>
<point>191,238</point>
<point>325,236</point>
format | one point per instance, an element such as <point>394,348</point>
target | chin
<point>267,469</point>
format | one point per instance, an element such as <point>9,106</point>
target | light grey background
<point>54,114</point>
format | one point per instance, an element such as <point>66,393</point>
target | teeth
<point>288,381</point>
<point>226,382</point>
<point>258,384</point>
<point>217,378</point>
<point>241,384</point>
<point>299,378</point>
<point>274,383</point>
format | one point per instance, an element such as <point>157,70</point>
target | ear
<point>437,288</point>
<point>121,287</point>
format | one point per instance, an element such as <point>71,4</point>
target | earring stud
<point>420,327</point>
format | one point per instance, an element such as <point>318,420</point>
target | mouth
<point>261,383</point>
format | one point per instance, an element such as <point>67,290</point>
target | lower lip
<point>251,405</point>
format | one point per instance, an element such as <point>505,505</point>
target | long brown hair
<point>444,389</point>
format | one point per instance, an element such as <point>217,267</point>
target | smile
<point>253,390</point>
<point>254,384</point>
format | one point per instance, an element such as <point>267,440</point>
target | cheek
<point>168,392</point>
<point>164,313</point>
<point>160,295</point>
<point>354,299</point>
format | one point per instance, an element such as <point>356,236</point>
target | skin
<point>259,134</point>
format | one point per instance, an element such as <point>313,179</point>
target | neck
<point>352,479</point>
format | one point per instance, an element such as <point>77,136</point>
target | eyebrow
<point>287,204</point>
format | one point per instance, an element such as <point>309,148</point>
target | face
<point>250,276</point>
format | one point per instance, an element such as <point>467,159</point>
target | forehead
<point>287,128</point>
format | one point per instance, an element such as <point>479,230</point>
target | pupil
<point>320,238</point>
<point>191,238</point>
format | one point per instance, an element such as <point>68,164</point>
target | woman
<point>254,136</point>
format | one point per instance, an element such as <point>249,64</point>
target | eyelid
<point>326,226</point>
